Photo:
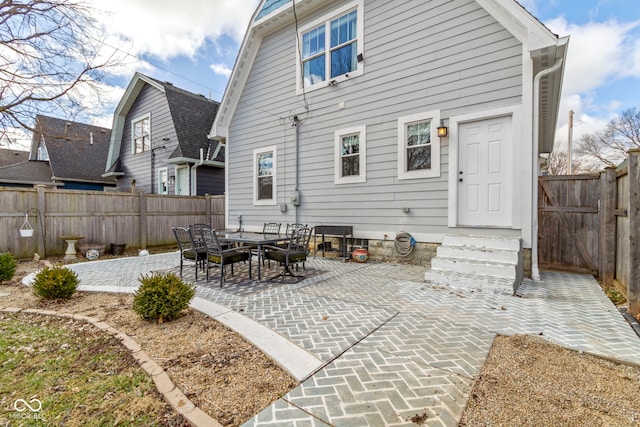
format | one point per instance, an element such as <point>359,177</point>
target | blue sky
<point>194,46</point>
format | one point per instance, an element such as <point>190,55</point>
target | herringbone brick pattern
<point>397,349</point>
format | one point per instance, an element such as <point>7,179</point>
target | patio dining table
<point>257,239</point>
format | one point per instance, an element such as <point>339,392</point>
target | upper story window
<point>418,146</point>
<point>141,134</point>
<point>264,176</point>
<point>330,48</point>
<point>350,155</point>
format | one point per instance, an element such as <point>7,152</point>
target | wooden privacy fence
<point>591,223</point>
<point>138,220</point>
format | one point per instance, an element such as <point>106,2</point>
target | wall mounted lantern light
<point>442,130</point>
<point>172,179</point>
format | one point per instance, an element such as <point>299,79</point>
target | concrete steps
<point>481,263</point>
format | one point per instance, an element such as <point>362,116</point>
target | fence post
<point>607,232</point>
<point>207,198</point>
<point>633,287</point>
<point>143,220</point>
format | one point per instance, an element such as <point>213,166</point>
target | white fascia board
<point>519,22</point>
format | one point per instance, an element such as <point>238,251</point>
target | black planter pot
<point>118,248</point>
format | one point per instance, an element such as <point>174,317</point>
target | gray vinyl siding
<point>138,166</point>
<point>446,55</point>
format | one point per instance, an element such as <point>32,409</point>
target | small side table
<point>70,253</point>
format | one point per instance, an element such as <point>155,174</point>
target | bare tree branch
<point>47,55</point>
<point>609,147</point>
<point>558,163</point>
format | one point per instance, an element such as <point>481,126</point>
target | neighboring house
<point>64,154</point>
<point>159,143</point>
<point>332,111</point>
<point>9,156</point>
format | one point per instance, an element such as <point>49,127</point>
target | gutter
<point>535,272</point>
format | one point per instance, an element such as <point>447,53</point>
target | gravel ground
<point>527,381</point>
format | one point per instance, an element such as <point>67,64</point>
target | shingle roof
<point>192,116</point>
<point>10,157</point>
<point>29,172</point>
<point>77,151</point>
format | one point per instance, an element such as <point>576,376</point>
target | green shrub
<point>8,265</point>
<point>162,297</point>
<point>57,282</point>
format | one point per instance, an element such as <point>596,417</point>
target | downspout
<point>295,205</point>
<point>535,272</point>
<point>194,172</point>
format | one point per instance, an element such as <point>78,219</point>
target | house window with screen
<point>350,155</point>
<point>141,134</point>
<point>264,171</point>
<point>418,146</point>
<point>330,48</point>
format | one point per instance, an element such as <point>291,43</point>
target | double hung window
<point>330,48</point>
<point>418,146</point>
<point>350,155</point>
<point>141,134</point>
<point>264,176</point>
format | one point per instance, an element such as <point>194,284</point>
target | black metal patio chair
<point>293,254</point>
<point>216,254</point>
<point>190,249</point>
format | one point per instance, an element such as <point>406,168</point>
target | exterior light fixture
<point>442,130</point>
<point>172,179</point>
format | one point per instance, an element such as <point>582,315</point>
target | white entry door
<point>485,172</point>
<point>182,181</point>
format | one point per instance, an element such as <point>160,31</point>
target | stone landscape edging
<point>169,391</point>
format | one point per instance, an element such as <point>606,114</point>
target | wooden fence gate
<point>568,222</point>
<point>591,223</point>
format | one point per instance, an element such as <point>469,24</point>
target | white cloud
<point>598,52</point>
<point>165,30</point>
<point>221,69</point>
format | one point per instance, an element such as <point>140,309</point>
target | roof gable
<point>192,117</point>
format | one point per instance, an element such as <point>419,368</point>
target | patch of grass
<point>616,297</point>
<point>81,376</point>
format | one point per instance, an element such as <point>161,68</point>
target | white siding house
<point>332,110</point>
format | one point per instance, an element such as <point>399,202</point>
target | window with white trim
<point>351,155</point>
<point>419,146</point>
<point>264,176</point>
<point>141,134</point>
<point>163,181</point>
<point>330,47</point>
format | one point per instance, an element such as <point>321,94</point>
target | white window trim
<point>159,173</point>
<point>362,177</point>
<point>265,202</point>
<point>356,5</point>
<point>434,116</point>
<point>133,139</point>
